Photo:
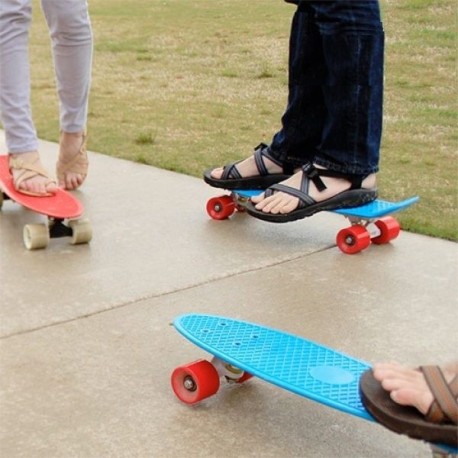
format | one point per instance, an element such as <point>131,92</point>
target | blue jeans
<point>334,112</point>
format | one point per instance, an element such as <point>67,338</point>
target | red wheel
<point>195,381</point>
<point>220,207</point>
<point>353,239</point>
<point>246,376</point>
<point>389,229</point>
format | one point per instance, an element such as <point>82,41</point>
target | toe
<point>217,173</point>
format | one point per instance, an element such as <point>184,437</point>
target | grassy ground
<point>185,85</point>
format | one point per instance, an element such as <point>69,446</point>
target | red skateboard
<point>58,209</point>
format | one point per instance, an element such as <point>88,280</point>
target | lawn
<point>189,84</point>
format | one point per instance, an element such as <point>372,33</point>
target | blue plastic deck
<point>377,208</point>
<point>247,192</point>
<point>296,364</point>
<point>288,361</point>
<point>372,210</point>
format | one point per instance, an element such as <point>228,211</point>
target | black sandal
<point>231,178</point>
<point>353,197</point>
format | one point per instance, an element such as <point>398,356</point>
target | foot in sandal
<point>258,171</point>
<point>420,403</point>
<point>29,175</point>
<point>310,190</point>
<point>72,165</point>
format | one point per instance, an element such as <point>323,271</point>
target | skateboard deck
<point>296,364</point>
<point>241,349</point>
<point>57,208</point>
<point>370,223</point>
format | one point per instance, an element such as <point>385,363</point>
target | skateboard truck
<point>37,236</point>
<point>363,232</point>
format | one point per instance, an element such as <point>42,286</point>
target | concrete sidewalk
<point>86,343</point>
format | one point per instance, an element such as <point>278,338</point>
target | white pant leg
<point>15,108</point>
<point>71,36</point>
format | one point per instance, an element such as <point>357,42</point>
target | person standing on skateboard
<point>71,36</point>
<point>326,154</point>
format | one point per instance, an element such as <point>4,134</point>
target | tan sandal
<point>26,166</point>
<point>76,163</point>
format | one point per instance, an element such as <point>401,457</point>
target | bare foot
<point>407,386</point>
<point>72,165</point>
<point>284,203</point>
<point>29,175</point>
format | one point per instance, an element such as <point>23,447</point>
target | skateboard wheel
<point>196,381</point>
<point>220,207</point>
<point>35,236</point>
<point>81,231</point>
<point>389,229</point>
<point>353,239</point>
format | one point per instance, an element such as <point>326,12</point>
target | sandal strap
<point>313,173</point>
<point>261,152</point>
<point>303,197</point>
<point>27,170</point>
<point>230,171</point>
<point>309,172</point>
<point>259,159</point>
<point>445,405</point>
<point>78,163</point>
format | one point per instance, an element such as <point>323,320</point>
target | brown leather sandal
<point>27,166</point>
<point>440,424</point>
<point>76,163</point>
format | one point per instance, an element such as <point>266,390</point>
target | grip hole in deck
<point>332,375</point>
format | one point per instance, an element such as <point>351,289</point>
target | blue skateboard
<point>242,350</point>
<point>369,223</point>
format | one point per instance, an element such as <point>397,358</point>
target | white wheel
<point>82,231</point>
<point>35,236</point>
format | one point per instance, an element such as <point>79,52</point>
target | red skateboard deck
<point>57,208</point>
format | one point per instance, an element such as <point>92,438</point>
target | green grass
<point>186,85</point>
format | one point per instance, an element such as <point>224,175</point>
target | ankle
<point>22,153</point>
<point>73,135</point>
<point>370,181</point>
<point>16,160</point>
<point>71,142</point>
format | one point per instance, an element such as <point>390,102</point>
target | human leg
<point>21,139</point>
<point>353,46</point>
<point>302,120</point>
<point>71,37</point>
<point>351,40</point>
